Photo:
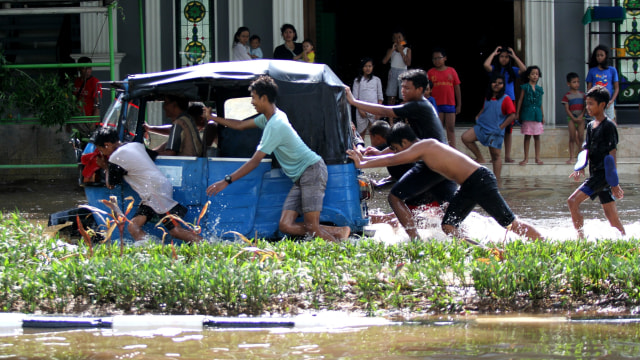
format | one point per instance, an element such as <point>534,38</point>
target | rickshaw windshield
<point>114,111</point>
<point>131,121</point>
<point>239,108</point>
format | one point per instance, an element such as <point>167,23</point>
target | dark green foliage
<point>44,96</point>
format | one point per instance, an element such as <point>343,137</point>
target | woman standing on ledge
<point>290,49</point>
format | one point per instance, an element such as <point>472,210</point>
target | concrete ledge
<point>554,152</point>
<point>557,167</point>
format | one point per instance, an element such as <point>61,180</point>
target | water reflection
<point>487,338</point>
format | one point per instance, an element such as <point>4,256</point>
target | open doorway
<point>350,30</point>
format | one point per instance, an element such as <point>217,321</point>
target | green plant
<point>43,96</point>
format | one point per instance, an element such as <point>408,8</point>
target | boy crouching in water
<point>600,143</point>
<point>132,163</point>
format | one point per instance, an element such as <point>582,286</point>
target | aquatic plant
<point>42,274</point>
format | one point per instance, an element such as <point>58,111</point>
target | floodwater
<point>540,200</point>
<point>444,338</point>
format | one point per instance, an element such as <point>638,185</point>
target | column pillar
<point>540,50</point>
<point>94,38</point>
<point>287,12</point>
<point>235,21</point>
<point>153,53</point>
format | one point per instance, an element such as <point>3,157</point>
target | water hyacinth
<point>47,275</point>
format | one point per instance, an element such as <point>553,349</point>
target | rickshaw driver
<point>304,167</point>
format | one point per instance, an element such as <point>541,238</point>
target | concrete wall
<point>570,52</point>
<point>35,144</point>
<point>257,16</point>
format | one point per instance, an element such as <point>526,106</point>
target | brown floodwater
<point>541,201</point>
<point>449,338</point>
<point>37,199</point>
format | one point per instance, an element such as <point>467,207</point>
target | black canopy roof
<point>311,95</point>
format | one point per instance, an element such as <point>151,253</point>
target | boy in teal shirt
<point>304,167</point>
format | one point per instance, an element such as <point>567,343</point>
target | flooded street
<point>496,337</point>
<point>539,200</point>
<point>37,199</point>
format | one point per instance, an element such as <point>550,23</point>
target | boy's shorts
<point>488,139</point>
<point>421,185</point>
<point>597,186</point>
<point>610,112</point>
<point>307,194</point>
<point>480,188</point>
<point>178,210</point>
<point>394,85</point>
<point>576,124</point>
<point>447,109</point>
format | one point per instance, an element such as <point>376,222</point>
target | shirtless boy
<point>478,185</point>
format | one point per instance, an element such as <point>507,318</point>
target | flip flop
<point>581,161</point>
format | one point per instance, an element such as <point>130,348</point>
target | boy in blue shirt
<point>306,169</point>
<point>255,52</point>
<point>600,142</point>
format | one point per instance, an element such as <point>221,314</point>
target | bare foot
<point>539,162</point>
<point>523,162</point>
<point>480,160</point>
<point>570,161</point>
<point>344,231</point>
<point>509,160</point>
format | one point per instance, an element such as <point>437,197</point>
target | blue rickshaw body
<point>313,98</point>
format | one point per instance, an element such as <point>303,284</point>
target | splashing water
<point>540,201</point>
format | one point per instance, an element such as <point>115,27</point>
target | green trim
<point>18,120</point>
<point>54,66</point>
<point>36,166</point>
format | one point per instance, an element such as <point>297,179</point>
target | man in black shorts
<point>426,124</point>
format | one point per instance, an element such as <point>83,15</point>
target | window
<point>195,43</point>
<point>626,55</point>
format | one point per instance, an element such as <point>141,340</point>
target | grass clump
<point>40,275</point>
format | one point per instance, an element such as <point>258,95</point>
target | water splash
<point>485,229</point>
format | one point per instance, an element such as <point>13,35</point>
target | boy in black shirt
<point>600,143</point>
<point>424,122</point>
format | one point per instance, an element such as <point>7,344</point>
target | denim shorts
<point>610,112</point>
<point>307,194</point>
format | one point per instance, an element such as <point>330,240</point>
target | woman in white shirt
<point>240,44</point>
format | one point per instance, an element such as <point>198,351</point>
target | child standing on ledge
<point>446,91</point>
<point>573,102</point>
<point>530,112</point>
